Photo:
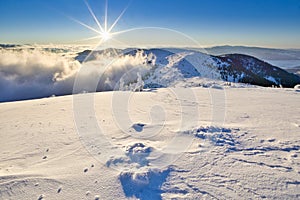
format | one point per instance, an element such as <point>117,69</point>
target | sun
<point>106,36</point>
<point>104,33</point>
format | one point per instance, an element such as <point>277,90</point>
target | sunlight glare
<point>104,33</point>
<point>105,36</point>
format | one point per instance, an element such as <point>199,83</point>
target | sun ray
<point>124,31</point>
<point>100,42</point>
<point>83,24</point>
<point>115,52</point>
<point>117,20</point>
<point>94,16</point>
<point>105,16</point>
<point>120,42</point>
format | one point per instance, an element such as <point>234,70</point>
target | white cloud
<point>27,73</point>
<point>105,72</point>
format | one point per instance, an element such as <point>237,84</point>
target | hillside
<point>247,69</point>
<point>178,64</point>
<point>283,58</point>
<point>166,148</point>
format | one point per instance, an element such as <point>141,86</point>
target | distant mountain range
<point>9,45</point>
<point>253,65</point>
<point>175,65</point>
<point>283,58</point>
<point>295,70</point>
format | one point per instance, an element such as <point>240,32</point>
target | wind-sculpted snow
<point>144,186</point>
<point>135,156</point>
<point>138,178</point>
<point>253,154</point>
<point>216,135</point>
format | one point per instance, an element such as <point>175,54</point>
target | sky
<point>265,23</point>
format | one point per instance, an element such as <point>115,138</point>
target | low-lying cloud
<point>29,74</point>
<point>104,73</point>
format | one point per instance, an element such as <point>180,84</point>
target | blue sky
<point>268,23</point>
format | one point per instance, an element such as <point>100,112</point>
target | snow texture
<point>254,154</point>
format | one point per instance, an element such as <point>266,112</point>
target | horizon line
<point>155,46</point>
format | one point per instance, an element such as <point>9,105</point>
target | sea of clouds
<point>35,73</point>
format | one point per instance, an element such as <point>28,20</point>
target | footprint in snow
<point>271,140</point>
<point>294,155</point>
<point>138,127</point>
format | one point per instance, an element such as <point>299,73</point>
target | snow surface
<point>172,143</point>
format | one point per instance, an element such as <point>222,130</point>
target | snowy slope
<point>172,66</point>
<point>161,144</point>
<point>247,69</point>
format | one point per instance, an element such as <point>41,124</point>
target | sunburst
<point>104,33</point>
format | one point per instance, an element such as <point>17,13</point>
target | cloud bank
<point>106,73</point>
<point>29,74</point>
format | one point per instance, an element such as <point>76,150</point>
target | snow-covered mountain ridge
<point>176,65</point>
